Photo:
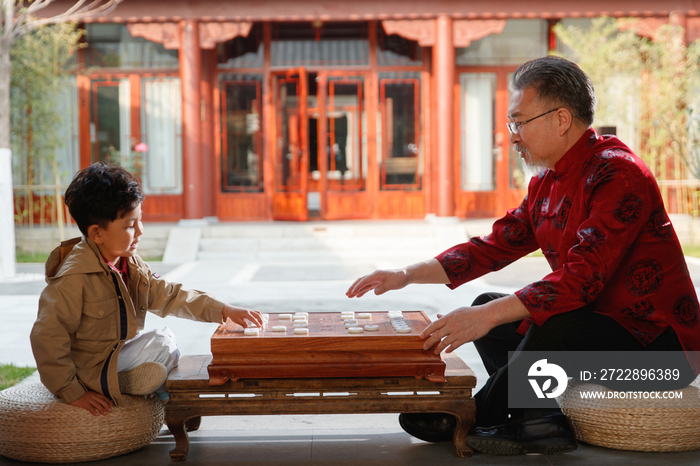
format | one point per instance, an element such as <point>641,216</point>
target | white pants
<point>155,345</point>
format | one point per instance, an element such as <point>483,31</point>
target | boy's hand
<point>242,316</point>
<point>94,402</point>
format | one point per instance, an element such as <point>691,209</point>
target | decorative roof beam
<point>464,30</point>
<point>210,33</point>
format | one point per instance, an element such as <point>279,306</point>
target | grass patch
<point>24,257</point>
<point>11,375</point>
<point>27,257</point>
<point>691,250</point>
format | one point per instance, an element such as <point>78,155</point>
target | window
<point>242,52</point>
<point>320,44</point>
<point>110,123</point>
<point>241,134</point>
<point>394,50</point>
<point>399,131</point>
<point>520,174</point>
<point>521,40</point>
<point>347,138</point>
<point>111,46</point>
<point>115,137</point>
<point>478,123</point>
<point>291,138</point>
<point>162,132</point>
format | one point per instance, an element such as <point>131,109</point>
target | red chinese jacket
<point>600,222</point>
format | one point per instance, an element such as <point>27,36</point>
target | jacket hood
<point>77,255</point>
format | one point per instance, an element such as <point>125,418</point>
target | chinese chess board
<point>325,344</point>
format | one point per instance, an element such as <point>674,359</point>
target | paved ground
<point>275,286</point>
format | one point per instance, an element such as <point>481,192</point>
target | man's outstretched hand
<point>380,281</point>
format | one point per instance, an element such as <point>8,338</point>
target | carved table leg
<point>466,416</point>
<point>193,423</point>
<point>176,424</point>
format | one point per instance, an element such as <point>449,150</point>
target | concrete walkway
<point>286,283</point>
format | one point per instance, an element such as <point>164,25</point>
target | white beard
<point>530,168</point>
<point>533,170</point>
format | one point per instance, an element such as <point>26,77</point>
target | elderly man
<point>619,281</point>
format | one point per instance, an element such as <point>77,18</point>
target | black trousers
<point>578,330</point>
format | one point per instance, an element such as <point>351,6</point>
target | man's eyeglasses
<point>514,128</point>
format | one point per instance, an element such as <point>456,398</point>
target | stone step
<point>44,239</point>
<point>328,229</point>
<point>284,241</point>
<point>321,241</point>
<point>297,256</point>
<point>314,244</point>
<point>314,241</point>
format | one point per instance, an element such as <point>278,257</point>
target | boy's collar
<point>102,261</point>
<point>122,264</point>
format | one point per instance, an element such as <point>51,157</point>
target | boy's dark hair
<point>559,82</point>
<point>101,194</point>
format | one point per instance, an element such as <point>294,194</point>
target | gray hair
<point>559,81</point>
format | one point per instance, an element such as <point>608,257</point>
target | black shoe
<point>430,427</point>
<point>546,435</point>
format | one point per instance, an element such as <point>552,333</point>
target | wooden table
<point>328,350</point>
<point>191,397</point>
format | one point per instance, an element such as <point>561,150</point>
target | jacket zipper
<point>123,328</point>
<point>104,376</point>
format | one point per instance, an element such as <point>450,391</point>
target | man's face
<point>533,141</point>
<point>121,237</point>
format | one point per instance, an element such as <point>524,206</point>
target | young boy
<point>85,339</point>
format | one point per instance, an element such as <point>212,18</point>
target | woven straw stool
<point>633,424</point>
<point>37,426</point>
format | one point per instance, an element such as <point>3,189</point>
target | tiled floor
<point>331,440</point>
<point>367,440</point>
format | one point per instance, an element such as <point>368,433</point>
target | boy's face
<point>120,238</point>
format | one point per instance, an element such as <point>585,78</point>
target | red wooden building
<point>305,109</point>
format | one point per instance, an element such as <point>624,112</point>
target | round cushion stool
<point>37,426</point>
<point>633,424</point>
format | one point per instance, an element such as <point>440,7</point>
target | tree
<point>17,18</point>
<point>43,63</point>
<point>659,102</point>
<point>611,58</point>
<point>671,71</point>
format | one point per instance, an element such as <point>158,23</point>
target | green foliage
<point>40,61</point>
<point>647,87</point>
<point>606,54</point>
<point>671,68</point>
<point>10,374</point>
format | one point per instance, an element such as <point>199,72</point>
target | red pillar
<point>208,162</point>
<point>444,73</point>
<point>190,77</point>
<point>680,19</point>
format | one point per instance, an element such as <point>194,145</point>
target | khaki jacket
<point>86,313</point>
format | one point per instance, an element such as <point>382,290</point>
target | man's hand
<point>471,323</point>
<point>456,328</point>
<point>94,402</point>
<point>380,281</point>
<point>242,316</point>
